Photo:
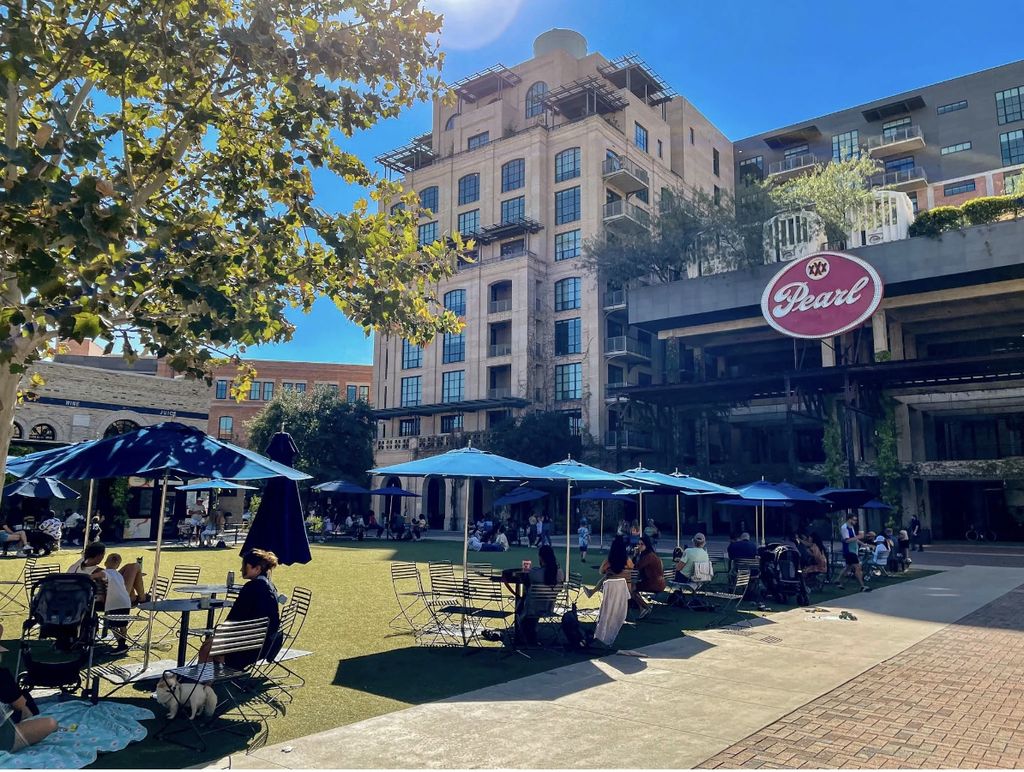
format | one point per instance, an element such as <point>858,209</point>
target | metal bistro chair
<point>34,573</point>
<point>440,569</point>
<point>447,596</point>
<point>10,589</point>
<point>570,597</point>
<point>292,621</point>
<point>185,575</point>
<point>408,586</point>
<point>732,598</point>
<point>237,684</point>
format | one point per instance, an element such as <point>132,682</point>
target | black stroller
<point>62,610</point>
<point>781,573</point>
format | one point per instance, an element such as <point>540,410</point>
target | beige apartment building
<point>532,161</point>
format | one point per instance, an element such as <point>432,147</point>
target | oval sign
<point>821,295</point>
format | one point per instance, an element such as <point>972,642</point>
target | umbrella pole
<point>568,524</point>
<point>678,534</point>
<point>88,513</point>
<point>156,568</point>
<point>640,496</point>
<point>465,529</point>
<point>602,525</point>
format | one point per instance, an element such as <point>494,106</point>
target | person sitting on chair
<point>9,537</point>
<point>24,726</point>
<point>74,528</point>
<point>690,558</point>
<point>616,566</point>
<point>650,574</point>
<point>546,572</point>
<point>258,598</point>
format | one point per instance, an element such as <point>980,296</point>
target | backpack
<point>575,638</point>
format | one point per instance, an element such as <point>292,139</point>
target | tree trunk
<point>9,383</point>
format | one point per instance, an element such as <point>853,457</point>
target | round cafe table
<point>205,590</point>
<point>185,607</point>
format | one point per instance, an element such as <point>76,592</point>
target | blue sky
<point>749,66</point>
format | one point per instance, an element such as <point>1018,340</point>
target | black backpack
<point>575,638</point>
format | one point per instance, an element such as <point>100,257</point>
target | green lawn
<point>359,669</point>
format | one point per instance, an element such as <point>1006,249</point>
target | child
<point>118,600</point>
<point>584,536</point>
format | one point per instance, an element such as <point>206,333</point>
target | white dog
<point>171,694</point>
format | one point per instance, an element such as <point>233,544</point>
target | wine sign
<point>822,295</point>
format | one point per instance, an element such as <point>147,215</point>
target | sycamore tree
<point>158,160</point>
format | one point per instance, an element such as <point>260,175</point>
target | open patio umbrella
<point>519,496</point>
<point>875,504</point>
<point>341,486</point>
<point>772,494</point>
<point>845,498</point>
<point>603,495</point>
<point>216,485</point>
<point>392,491</point>
<point>41,488</point>
<point>469,463</point>
<point>160,451</point>
<point>279,525</point>
<point>676,485</point>
<point>582,475</point>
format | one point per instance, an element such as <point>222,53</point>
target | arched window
<point>568,294</point>
<point>428,198</point>
<point>455,301</point>
<point>567,164</point>
<point>450,123</point>
<point>513,175</point>
<point>536,92</point>
<point>469,189</point>
<point>121,426</point>
<point>16,431</point>
<point>42,432</point>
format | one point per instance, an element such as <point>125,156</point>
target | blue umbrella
<point>41,488</point>
<point>519,496</point>
<point>603,495</point>
<point>845,498</point>
<point>217,485</point>
<point>393,490</point>
<point>470,463</point>
<point>874,504</point>
<point>341,486</point>
<point>279,525</point>
<point>770,494</point>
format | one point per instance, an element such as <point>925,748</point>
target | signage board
<point>822,295</point>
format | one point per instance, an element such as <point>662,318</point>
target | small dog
<point>171,694</point>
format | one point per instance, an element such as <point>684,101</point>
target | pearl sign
<point>822,295</point>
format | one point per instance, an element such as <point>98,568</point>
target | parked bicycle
<point>975,533</point>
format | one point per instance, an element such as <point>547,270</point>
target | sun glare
<point>470,24</point>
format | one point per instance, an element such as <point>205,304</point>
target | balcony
<point>790,167</point>
<point>625,215</point>
<point>624,175</point>
<point>902,179</point>
<point>611,391</point>
<point>503,392</point>
<point>628,439</point>
<point>615,300</point>
<point>499,350</point>
<point>627,348</point>
<point>499,306</point>
<point>902,140</point>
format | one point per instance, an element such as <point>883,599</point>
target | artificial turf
<point>360,668</point>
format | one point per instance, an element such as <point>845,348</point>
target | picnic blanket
<point>85,730</point>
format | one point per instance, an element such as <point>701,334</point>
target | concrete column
<point>896,339</point>
<point>879,332</point>
<point>828,352</point>
<point>904,449</point>
<point>917,441</point>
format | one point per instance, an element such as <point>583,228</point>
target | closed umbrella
<point>470,463</point>
<point>279,525</point>
<point>41,488</point>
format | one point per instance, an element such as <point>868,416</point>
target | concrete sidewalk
<point>700,694</point>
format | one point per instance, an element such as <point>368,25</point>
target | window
<point>409,427</point>
<point>568,337</point>
<point>659,148</point>
<point>412,355</point>
<point>450,123</point>
<point>567,164</point>
<point>716,163</point>
<point>534,95</point>
<point>427,233</point>
<point>452,386</point>
<point>640,136</point>
<point>364,393</point>
<point>569,381</point>
<point>293,386</point>
<point>255,389</point>
<point>412,391</point>
<point>513,210</point>
<point>913,199</point>
<point>959,147</point>
<point>892,129</point>
<point>222,389</point>
<point>454,348</point>
<point>513,175</point>
<point>268,390</point>
<point>396,208</point>
<point>567,294</point>
<point>567,245</point>
<point>844,146</point>
<point>795,151</point>
<point>691,135</point>
<point>330,388</point>
<point>717,197</point>
<point>513,248</point>
<point>351,393</point>
<point>225,427</point>
<point>904,164</point>
<point>1008,105</point>
<point>42,432</point>
<point>567,205</point>
<point>952,107</point>
<point>643,195</point>
<point>451,423</point>
<point>469,189</point>
<point>575,419</point>
<point>469,222</point>
<point>1011,147</point>
<point>478,140</point>
<point>958,187</point>
<point>455,301</point>
<point>428,198</point>
<point>752,169</point>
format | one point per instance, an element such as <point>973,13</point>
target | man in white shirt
<point>851,552</point>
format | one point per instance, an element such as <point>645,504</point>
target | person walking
<point>584,539</point>
<point>851,553</point>
<point>916,539</point>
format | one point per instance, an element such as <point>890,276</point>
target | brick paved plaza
<point>956,699</point>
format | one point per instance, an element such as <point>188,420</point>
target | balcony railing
<point>499,350</point>
<point>628,438</point>
<point>623,345</point>
<point>902,179</point>
<point>624,174</point>
<point>500,393</point>
<point>793,164</point>
<point>614,299</point>
<point>611,389</point>
<point>621,210</point>
<point>903,138</point>
<point>499,306</point>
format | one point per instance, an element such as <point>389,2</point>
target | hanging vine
<point>887,462</point>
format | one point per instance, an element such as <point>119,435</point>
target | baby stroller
<point>62,610</point>
<point>781,573</point>
<point>40,544</point>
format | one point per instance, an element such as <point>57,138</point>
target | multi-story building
<point>532,161</point>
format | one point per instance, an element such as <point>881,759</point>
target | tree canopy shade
<point>158,160</point>
<point>334,438</point>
